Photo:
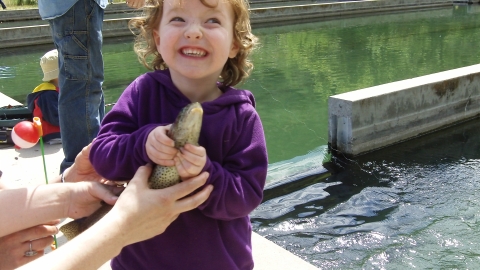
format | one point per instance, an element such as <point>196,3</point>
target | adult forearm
<point>56,179</point>
<point>91,249</point>
<point>30,206</point>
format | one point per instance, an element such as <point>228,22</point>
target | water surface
<point>413,205</point>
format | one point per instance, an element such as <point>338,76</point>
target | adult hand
<point>145,213</point>
<point>135,3</point>
<point>82,169</point>
<point>85,198</point>
<point>14,246</point>
<point>160,148</point>
<point>190,161</point>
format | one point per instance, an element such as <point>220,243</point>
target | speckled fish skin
<point>75,227</point>
<point>186,129</point>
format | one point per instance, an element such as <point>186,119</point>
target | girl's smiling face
<point>194,40</point>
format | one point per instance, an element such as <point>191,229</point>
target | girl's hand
<point>160,148</point>
<point>190,161</point>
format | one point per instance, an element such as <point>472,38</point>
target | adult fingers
<point>53,222</point>
<point>14,246</point>
<point>16,258</point>
<point>186,187</point>
<point>40,244</point>
<point>19,254</point>
<point>85,153</point>
<point>141,176</point>
<point>192,202</point>
<point>36,232</point>
<point>104,193</point>
<point>115,189</point>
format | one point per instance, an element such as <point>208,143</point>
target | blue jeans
<point>78,37</point>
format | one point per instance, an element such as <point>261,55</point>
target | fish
<point>185,129</point>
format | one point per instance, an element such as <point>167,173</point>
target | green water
<point>410,206</point>
<point>383,211</point>
<point>298,67</point>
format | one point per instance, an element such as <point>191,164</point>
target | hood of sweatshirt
<point>231,96</point>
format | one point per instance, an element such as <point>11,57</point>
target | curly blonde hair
<point>234,71</point>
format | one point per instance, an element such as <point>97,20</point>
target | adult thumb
<point>141,176</point>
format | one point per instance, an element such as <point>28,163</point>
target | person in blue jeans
<point>77,33</point>
<point>3,5</point>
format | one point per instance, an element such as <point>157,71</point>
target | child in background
<point>43,101</point>
<point>200,50</point>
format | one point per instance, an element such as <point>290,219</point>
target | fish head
<point>187,126</point>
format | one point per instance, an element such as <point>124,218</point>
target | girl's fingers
<point>194,154</point>
<point>187,168</point>
<point>166,162</point>
<point>159,146</point>
<point>178,164</point>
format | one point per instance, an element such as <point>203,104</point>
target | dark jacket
<point>43,103</point>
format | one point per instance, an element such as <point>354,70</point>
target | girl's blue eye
<point>177,19</point>
<point>213,20</point>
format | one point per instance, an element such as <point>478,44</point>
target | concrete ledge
<point>25,36</point>
<point>262,16</point>
<point>40,34</point>
<point>19,15</point>
<point>25,167</point>
<point>368,119</point>
<point>32,14</point>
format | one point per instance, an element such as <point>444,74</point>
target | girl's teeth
<point>192,52</point>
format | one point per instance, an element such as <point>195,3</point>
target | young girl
<point>200,50</point>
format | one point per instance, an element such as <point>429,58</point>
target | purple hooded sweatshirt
<point>216,235</point>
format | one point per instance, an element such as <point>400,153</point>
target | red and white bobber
<point>25,134</point>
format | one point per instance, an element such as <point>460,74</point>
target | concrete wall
<point>368,119</point>
<point>282,14</point>
<point>32,14</point>
<point>40,34</point>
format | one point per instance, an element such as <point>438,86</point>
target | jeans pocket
<point>76,66</point>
